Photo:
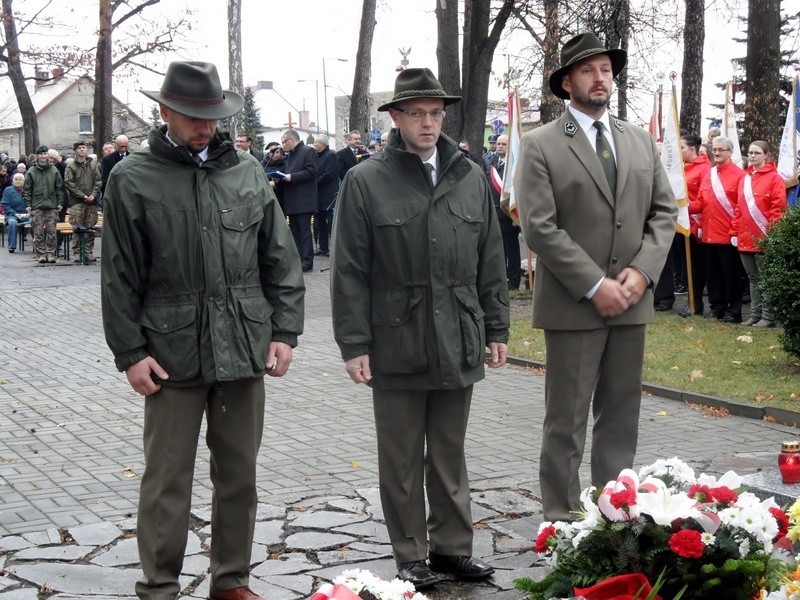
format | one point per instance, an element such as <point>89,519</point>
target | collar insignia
<point>570,128</point>
<point>619,126</point>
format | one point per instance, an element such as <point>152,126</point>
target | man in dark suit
<point>299,186</point>
<point>352,154</point>
<point>245,142</point>
<point>110,161</point>
<point>596,207</point>
<point>327,189</point>
<point>509,229</point>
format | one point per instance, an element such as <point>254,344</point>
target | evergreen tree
<point>251,121</point>
<point>155,117</point>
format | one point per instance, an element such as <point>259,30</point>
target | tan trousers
<point>172,418</point>
<point>408,421</point>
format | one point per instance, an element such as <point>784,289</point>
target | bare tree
<point>448,63</point>
<point>762,67</point>
<point>10,54</point>
<point>146,40</point>
<point>617,34</point>
<point>551,106</point>
<point>694,34</point>
<point>359,101</point>
<point>235,123</point>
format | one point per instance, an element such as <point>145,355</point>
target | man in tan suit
<point>596,207</point>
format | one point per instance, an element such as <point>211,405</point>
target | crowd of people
<point>43,189</point>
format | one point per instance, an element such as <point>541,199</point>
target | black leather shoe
<point>732,319</point>
<point>463,567</point>
<point>418,573</point>
<point>663,306</point>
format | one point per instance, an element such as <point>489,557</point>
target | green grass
<point>699,355</point>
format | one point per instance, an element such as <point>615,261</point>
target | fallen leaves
<point>696,374</point>
<point>717,412</point>
<point>747,339</point>
<point>353,464</point>
<point>662,413</point>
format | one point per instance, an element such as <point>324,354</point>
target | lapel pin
<point>570,128</point>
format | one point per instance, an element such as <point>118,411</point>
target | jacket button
<point>469,217</point>
<point>222,369</point>
<point>436,312</point>
<point>205,228</point>
<point>397,221</point>
<point>619,224</point>
<point>614,260</point>
<point>241,225</point>
<point>434,240</point>
<point>397,319</point>
<point>164,326</point>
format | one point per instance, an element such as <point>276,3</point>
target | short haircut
<point>245,136</point>
<point>321,137</point>
<point>693,141</point>
<point>292,133</point>
<point>352,133</point>
<point>721,139</point>
<point>18,176</point>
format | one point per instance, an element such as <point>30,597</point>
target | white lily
<point>664,506</point>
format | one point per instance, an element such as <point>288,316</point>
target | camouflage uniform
<point>82,180</point>
<point>44,195</point>
<point>86,215</point>
<point>44,230</point>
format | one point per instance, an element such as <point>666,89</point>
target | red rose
<point>783,522</point>
<point>542,541</point>
<point>724,495</point>
<point>687,543</point>
<point>623,499</point>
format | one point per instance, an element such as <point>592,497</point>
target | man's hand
<point>634,282</point>
<point>498,353</point>
<point>139,376</point>
<point>358,369</point>
<point>611,298</point>
<point>279,357</point>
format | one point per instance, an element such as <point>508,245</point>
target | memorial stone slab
<point>14,542</point>
<point>124,552</point>
<point>67,552</point>
<point>96,534</point>
<point>327,519</point>
<point>268,532</point>
<point>287,564</point>
<point>314,540</point>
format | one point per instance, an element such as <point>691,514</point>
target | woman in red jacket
<point>761,202</point>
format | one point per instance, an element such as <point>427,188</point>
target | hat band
<point>417,93</point>
<point>192,101</point>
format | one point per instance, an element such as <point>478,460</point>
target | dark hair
<point>692,140</point>
<point>763,145</point>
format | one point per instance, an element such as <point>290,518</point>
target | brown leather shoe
<point>237,593</point>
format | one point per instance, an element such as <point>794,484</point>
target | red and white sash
<point>752,208</point>
<point>719,192</point>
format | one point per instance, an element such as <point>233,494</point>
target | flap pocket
<point>469,300</point>
<point>396,215</point>
<point>256,309</point>
<point>239,218</point>
<point>165,319</point>
<point>393,307</point>
<point>465,211</point>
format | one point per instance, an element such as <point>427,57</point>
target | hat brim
<point>619,58</point>
<point>231,104</point>
<point>448,100</point>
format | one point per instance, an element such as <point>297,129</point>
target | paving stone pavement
<point>70,457</point>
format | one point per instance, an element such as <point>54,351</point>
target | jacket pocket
<point>467,222</point>
<point>257,322</point>
<point>239,240</point>
<point>399,331</point>
<point>473,329</point>
<point>171,333</point>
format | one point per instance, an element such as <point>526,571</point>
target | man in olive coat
<point>596,207</point>
<point>418,291</point>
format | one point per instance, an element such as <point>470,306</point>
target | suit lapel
<point>623,149</point>
<point>579,144</point>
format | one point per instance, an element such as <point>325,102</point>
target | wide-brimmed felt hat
<point>193,89</point>
<point>580,47</point>
<point>417,83</point>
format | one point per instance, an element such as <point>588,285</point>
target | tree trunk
<point>30,124</point>
<point>102,77</point>
<point>762,72</point>
<point>359,101</point>
<point>482,45</point>
<point>551,106</point>
<point>235,60</point>
<point>694,34</point>
<point>448,63</point>
<point>619,34</point>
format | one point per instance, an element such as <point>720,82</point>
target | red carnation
<point>542,541</point>
<point>623,499</point>
<point>783,522</point>
<point>724,495</point>
<point>701,493</point>
<point>687,543</point>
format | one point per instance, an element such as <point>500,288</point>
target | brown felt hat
<point>417,83</point>
<point>580,47</point>
<point>193,89</point>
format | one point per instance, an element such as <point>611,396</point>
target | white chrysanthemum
<point>708,539</point>
<point>744,548</point>
<point>673,471</point>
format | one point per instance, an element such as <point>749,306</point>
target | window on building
<point>85,124</point>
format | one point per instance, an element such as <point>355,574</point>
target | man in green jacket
<point>418,290</point>
<point>202,295</point>
<point>83,182</point>
<point>44,196</point>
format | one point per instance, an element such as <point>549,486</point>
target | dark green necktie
<point>429,169</point>
<point>606,157</point>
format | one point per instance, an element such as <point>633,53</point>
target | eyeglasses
<point>419,115</point>
<point>715,150</point>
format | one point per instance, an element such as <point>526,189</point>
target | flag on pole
<point>729,125</point>
<point>672,161</point>
<point>653,126</point>
<point>508,198</point>
<point>788,157</point>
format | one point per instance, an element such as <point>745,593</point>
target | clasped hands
<point>615,296</point>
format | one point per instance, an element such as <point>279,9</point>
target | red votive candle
<point>789,462</point>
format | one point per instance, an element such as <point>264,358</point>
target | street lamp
<point>325,90</point>
<point>316,95</point>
